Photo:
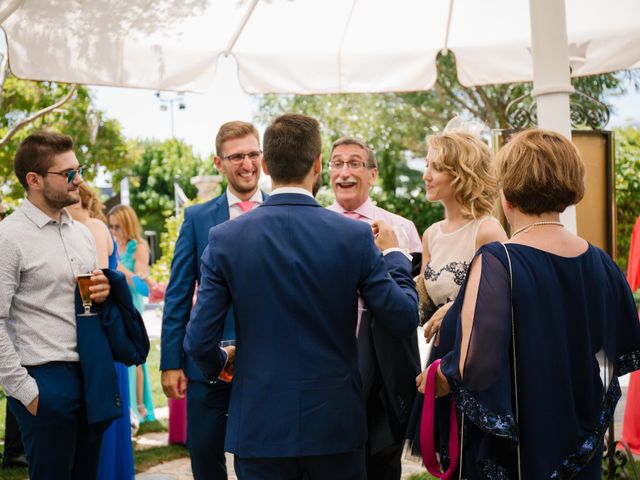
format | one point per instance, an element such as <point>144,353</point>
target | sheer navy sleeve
<point>483,392</point>
<point>621,330</point>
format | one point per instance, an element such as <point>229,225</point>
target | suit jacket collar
<point>290,199</point>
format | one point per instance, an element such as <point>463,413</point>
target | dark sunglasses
<point>70,174</point>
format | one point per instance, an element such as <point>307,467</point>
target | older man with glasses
<point>388,364</point>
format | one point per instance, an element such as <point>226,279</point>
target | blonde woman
<point>89,212</point>
<point>134,261</point>
<point>460,175</point>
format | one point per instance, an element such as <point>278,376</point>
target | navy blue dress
<point>568,313</point>
<point>116,452</point>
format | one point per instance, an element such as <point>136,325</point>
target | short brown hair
<point>541,171</point>
<point>291,145</point>
<point>36,153</point>
<point>233,130</point>
<point>468,160</point>
<point>372,161</point>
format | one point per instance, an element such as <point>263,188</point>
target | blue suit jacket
<point>292,271</point>
<point>115,333</point>
<point>185,270</point>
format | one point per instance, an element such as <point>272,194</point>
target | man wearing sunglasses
<point>388,364</point>
<point>238,159</point>
<point>41,249</point>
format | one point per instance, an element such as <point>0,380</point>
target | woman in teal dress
<point>134,262</point>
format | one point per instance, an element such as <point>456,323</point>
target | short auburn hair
<point>233,130</point>
<point>468,160</point>
<point>541,171</point>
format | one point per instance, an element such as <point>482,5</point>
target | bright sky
<point>140,115</point>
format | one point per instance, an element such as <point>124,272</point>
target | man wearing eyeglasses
<point>41,247</point>
<point>388,364</point>
<point>238,159</point>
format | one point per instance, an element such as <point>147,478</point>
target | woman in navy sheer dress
<point>539,410</point>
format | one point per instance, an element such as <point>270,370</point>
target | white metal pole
<point>551,76</point>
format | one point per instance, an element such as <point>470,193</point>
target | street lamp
<point>166,103</point>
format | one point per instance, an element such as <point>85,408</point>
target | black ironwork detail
<point>618,461</point>
<point>585,111</point>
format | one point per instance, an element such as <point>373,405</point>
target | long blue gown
<point>568,313</point>
<point>116,453</point>
<point>127,259</point>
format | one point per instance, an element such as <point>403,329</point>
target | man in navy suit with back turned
<point>238,158</point>
<point>292,271</point>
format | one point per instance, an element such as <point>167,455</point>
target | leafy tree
<point>153,166</point>
<point>395,124</point>
<point>627,142</point>
<point>21,98</point>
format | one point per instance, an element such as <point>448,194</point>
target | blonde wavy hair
<point>89,201</point>
<point>468,160</point>
<point>129,222</point>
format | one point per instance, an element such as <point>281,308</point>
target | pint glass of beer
<point>84,282</point>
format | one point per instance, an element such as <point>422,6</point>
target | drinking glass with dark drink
<point>227,373</point>
<point>84,282</point>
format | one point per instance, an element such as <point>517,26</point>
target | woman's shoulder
<point>489,230</point>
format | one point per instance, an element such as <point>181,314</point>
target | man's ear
<point>264,166</point>
<point>33,180</point>
<point>218,163</point>
<point>317,165</point>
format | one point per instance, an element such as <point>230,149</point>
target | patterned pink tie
<point>246,205</point>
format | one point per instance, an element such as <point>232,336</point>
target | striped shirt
<point>40,259</point>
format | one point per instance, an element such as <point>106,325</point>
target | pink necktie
<point>354,215</point>
<point>246,205</point>
<point>361,305</point>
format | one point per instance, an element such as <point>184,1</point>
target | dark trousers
<point>385,464</point>
<point>12,440</point>
<point>341,466</point>
<point>207,407</point>
<point>58,442</point>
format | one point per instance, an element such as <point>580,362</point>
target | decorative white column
<point>551,75</point>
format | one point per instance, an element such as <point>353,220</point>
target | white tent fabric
<point>303,46</point>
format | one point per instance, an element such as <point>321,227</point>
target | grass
<point>145,459</point>
<point>153,366</point>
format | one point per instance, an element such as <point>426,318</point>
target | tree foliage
<point>627,142</point>
<point>395,125</point>
<point>21,98</point>
<point>153,166</point>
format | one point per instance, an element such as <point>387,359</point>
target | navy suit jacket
<point>115,333</point>
<point>185,270</point>
<point>292,271</point>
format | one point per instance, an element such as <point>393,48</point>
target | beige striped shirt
<point>39,259</point>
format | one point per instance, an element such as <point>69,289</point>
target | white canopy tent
<point>324,46</point>
<point>310,46</point>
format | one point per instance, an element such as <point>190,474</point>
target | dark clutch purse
<point>426,307</point>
